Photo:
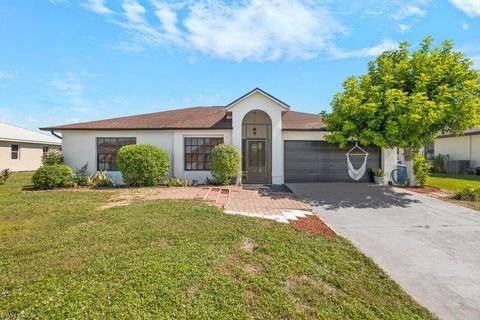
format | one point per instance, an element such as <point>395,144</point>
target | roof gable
<point>279,102</point>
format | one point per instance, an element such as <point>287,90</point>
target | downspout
<point>56,135</point>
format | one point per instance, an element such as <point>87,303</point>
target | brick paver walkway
<point>256,201</point>
<point>265,203</point>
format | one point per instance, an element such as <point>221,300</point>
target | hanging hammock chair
<point>356,174</point>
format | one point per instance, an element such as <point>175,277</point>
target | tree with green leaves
<point>407,98</point>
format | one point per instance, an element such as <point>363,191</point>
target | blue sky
<point>66,61</point>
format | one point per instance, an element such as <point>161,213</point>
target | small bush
<point>4,175</point>
<point>52,176</point>
<point>378,172</point>
<point>225,163</point>
<point>469,193</point>
<point>438,162</point>
<point>52,157</point>
<point>176,182</point>
<point>100,180</point>
<point>80,178</point>
<point>421,168</point>
<point>142,164</point>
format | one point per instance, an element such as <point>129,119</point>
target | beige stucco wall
<point>304,135</point>
<point>79,148</point>
<point>30,155</point>
<point>460,148</point>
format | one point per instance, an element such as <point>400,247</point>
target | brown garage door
<point>310,161</point>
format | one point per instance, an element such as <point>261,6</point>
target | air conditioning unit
<point>457,166</point>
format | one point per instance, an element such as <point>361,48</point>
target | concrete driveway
<point>429,246</point>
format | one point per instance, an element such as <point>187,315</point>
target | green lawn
<point>62,257</point>
<point>452,182</point>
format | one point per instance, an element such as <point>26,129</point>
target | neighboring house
<point>464,147</point>
<point>22,149</point>
<point>277,145</point>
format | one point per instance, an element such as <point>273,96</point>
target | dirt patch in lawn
<point>431,191</point>
<point>248,244</point>
<point>313,224</point>
<point>308,292</point>
<point>251,269</point>
<point>128,195</point>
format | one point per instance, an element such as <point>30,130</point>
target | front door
<point>256,161</point>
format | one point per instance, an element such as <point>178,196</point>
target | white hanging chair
<point>356,174</point>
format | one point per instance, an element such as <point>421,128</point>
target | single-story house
<point>277,144</point>
<point>22,149</point>
<point>464,147</point>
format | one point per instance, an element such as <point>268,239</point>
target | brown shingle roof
<point>302,121</point>
<point>189,118</point>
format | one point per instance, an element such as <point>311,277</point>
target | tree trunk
<point>408,154</point>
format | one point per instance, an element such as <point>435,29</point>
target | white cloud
<point>134,11</point>
<point>261,30</point>
<point>386,44</point>
<point>408,11</point>
<point>98,6</point>
<point>8,74</point>
<point>472,50</point>
<point>256,30</point>
<point>70,85</point>
<point>465,26</point>
<point>404,27</point>
<point>470,7</point>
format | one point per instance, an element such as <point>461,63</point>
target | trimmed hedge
<point>225,163</point>
<point>53,176</point>
<point>142,164</point>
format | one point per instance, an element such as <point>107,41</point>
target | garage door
<point>308,161</point>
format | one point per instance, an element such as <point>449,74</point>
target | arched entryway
<point>257,147</point>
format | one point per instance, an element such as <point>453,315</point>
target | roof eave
<point>305,129</point>
<point>123,129</point>
<point>30,141</point>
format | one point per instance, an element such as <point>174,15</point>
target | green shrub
<point>52,157</point>
<point>438,162</point>
<point>421,168</point>
<point>80,178</point>
<point>469,193</point>
<point>52,176</point>
<point>142,164</point>
<point>225,163</point>
<point>176,182</point>
<point>4,175</point>
<point>100,180</point>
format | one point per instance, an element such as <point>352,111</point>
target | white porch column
<point>277,148</point>
<point>389,161</point>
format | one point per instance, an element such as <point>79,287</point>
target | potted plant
<point>378,175</point>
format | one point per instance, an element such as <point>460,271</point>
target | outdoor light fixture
<point>254,130</point>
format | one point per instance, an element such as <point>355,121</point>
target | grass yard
<point>62,257</point>
<point>452,182</point>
